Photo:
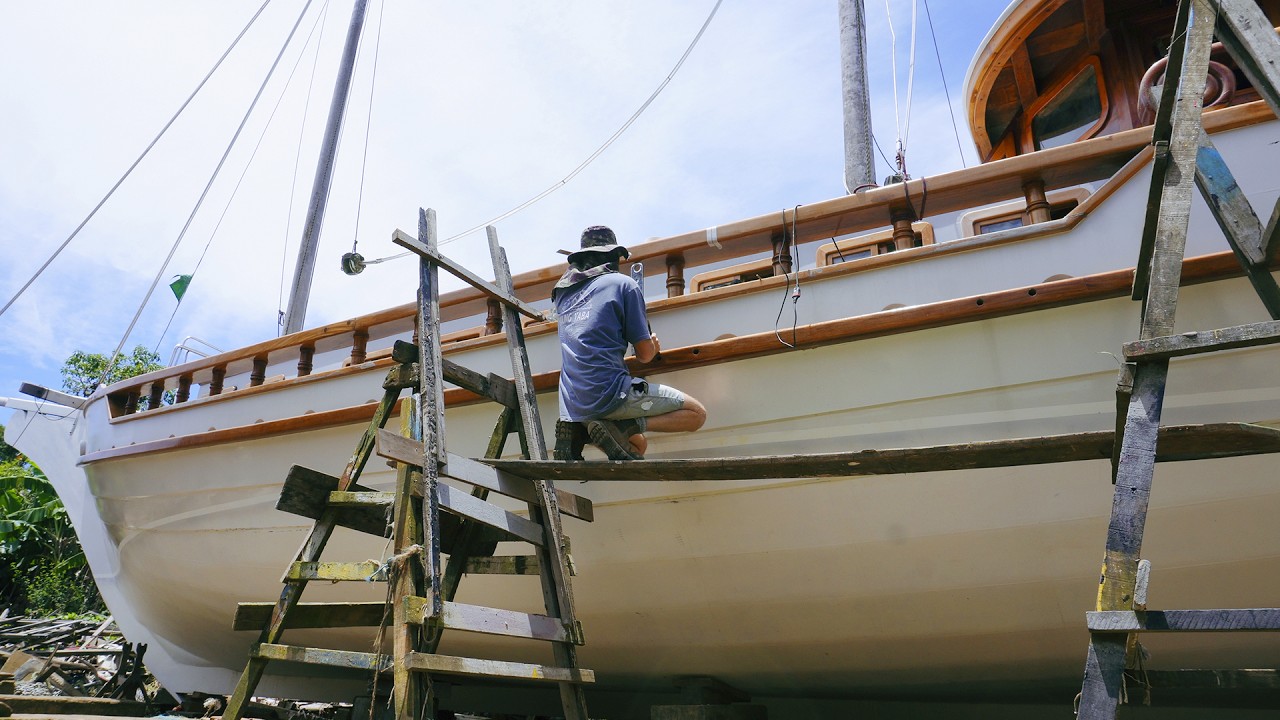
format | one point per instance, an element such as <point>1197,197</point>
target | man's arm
<point>647,350</point>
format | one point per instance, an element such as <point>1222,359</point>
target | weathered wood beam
<point>252,616</point>
<point>1204,341</point>
<point>504,565</point>
<point>489,621</point>
<point>447,665</point>
<point>1189,442</point>
<point>404,240</point>
<point>486,513</point>
<point>1155,621</point>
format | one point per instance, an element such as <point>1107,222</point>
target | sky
<point>476,107</point>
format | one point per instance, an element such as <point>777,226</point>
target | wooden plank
<point>1158,621</point>
<point>1237,220</point>
<point>486,513</point>
<point>380,500</point>
<point>504,565</point>
<point>448,665</point>
<point>1103,678</point>
<point>463,469</point>
<point>306,493</point>
<point>362,571</point>
<point>321,656</point>
<point>1257,679</point>
<point>407,689</point>
<point>1185,442</point>
<point>1203,341</point>
<point>431,432</point>
<point>43,393</point>
<point>253,616</point>
<point>493,387</point>
<point>1250,39</point>
<point>1173,192</point>
<point>1023,77</point>
<point>399,237</point>
<point>489,621</point>
<point>557,592</point>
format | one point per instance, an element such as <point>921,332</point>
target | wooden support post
<point>306,354</point>
<point>219,375</point>
<point>157,395</point>
<point>184,389</point>
<point>359,346</point>
<point>904,236</point>
<point>431,408</point>
<point>1038,208</point>
<point>675,275</point>
<point>259,372</point>
<point>782,251</point>
<point>131,402</point>
<point>557,594</point>
<point>409,687</point>
<point>493,317</point>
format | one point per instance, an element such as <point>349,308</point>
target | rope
<point>293,184</point>
<point>174,248</point>
<point>583,165</point>
<point>249,163</point>
<point>128,172</point>
<point>943,74</point>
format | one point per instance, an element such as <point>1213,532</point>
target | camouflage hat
<point>599,239</point>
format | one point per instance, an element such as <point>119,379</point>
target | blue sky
<point>476,107</point>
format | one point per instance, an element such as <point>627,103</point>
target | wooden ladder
<point>422,587</point>
<point>1184,155</point>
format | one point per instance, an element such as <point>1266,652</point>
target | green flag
<point>179,286</point>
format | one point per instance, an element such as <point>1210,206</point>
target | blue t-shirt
<point>597,320</point>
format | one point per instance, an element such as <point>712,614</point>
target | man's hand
<point>647,350</point>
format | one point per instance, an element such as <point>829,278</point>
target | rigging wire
<point>293,184</point>
<point>136,162</point>
<point>248,164</point>
<point>368,123</point>
<point>200,201</point>
<point>903,129</point>
<point>943,74</point>
<point>911,77</point>
<point>583,165</point>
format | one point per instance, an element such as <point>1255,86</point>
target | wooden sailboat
<point>981,304</point>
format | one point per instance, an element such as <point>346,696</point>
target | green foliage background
<point>43,570</point>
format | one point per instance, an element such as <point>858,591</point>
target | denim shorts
<point>645,400</point>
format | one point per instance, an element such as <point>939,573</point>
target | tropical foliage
<point>83,371</point>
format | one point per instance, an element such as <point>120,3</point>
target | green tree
<point>82,372</point>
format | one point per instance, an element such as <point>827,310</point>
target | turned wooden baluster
<point>493,318</point>
<point>131,401</point>
<point>782,252</point>
<point>359,346</point>
<point>1038,208</point>
<point>675,275</point>
<point>306,354</point>
<point>156,396</point>
<point>259,373</point>
<point>184,388</point>
<point>904,236</point>
<point>215,385</point>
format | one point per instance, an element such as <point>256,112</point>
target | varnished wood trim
<point>1086,161</point>
<point>1055,89</point>
<point>1015,301</point>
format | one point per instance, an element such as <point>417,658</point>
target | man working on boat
<point>600,311</point>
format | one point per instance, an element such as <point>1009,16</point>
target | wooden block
<point>321,656</point>
<point>364,571</point>
<point>306,493</point>
<point>400,449</point>
<point>254,616</point>
<point>1128,621</point>
<point>449,665</point>
<point>486,513</point>
<point>490,621</point>
<point>504,565</point>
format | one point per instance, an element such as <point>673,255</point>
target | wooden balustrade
<point>493,318</point>
<point>782,252</point>
<point>904,236</point>
<point>1038,208</point>
<point>157,395</point>
<point>259,373</point>
<point>184,389</point>
<point>215,384</point>
<point>306,354</point>
<point>675,275</point>
<point>359,346</point>
<point>131,402</point>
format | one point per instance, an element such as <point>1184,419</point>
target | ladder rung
<point>1127,621</point>
<point>486,513</point>
<point>449,665</point>
<point>306,493</point>
<point>322,656</point>
<point>491,621</point>
<point>1195,343</point>
<point>380,500</point>
<point>504,565</point>
<point>363,571</point>
<point>401,449</point>
<point>254,616</point>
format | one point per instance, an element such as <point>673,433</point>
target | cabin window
<point>864,246</point>
<point>732,275</point>
<point>1071,112</point>
<point>1007,216</point>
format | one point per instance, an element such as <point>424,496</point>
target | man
<point>600,311</point>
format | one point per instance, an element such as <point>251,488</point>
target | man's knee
<point>698,411</point>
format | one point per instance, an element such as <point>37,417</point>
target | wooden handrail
<point>1065,166</point>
